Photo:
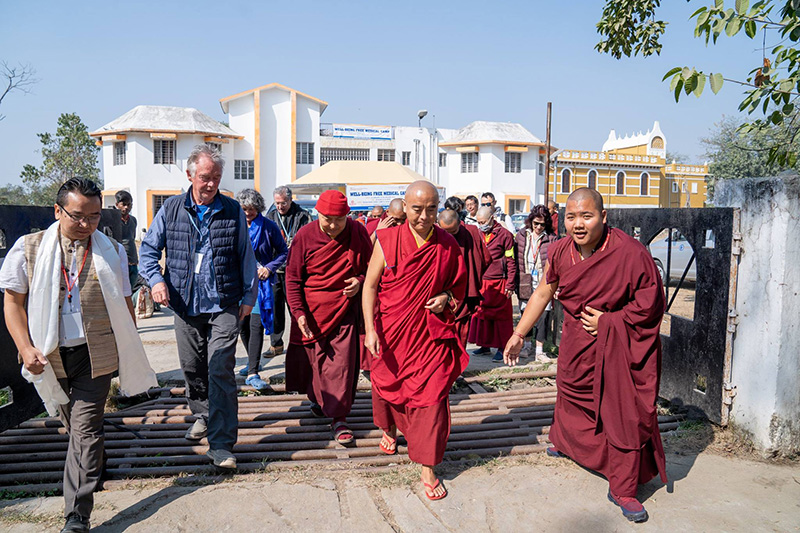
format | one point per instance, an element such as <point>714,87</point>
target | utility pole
<point>547,155</point>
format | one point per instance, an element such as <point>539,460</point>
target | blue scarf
<point>259,238</point>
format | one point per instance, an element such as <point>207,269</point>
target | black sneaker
<point>76,524</point>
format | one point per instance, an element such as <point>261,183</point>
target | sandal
<point>391,447</point>
<point>433,488</point>
<point>342,434</point>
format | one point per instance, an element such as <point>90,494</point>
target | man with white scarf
<point>68,308</point>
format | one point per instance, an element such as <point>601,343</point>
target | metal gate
<point>696,365</point>
<point>22,401</point>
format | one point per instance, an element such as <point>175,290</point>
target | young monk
<point>476,260</point>
<point>325,271</point>
<point>418,276</point>
<point>609,361</point>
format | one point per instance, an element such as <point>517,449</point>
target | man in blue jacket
<point>210,283</point>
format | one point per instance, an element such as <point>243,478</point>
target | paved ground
<point>708,491</point>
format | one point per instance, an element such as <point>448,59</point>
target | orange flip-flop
<point>430,487</point>
<point>386,449</point>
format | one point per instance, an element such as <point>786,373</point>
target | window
<point>621,182</point>
<point>657,143</point>
<point>513,162</point>
<point>163,152</point>
<point>469,162</point>
<point>675,186</point>
<point>442,159</point>
<point>327,155</point>
<point>406,158</point>
<point>591,179</point>
<point>158,201</point>
<point>566,174</point>
<point>119,153</point>
<point>516,206</point>
<point>244,169</point>
<point>305,153</point>
<point>215,146</point>
<point>385,155</point>
<point>644,186</point>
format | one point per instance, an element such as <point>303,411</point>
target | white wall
<point>766,349</point>
<point>307,130</point>
<point>276,140</point>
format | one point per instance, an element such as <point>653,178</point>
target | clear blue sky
<point>374,62</point>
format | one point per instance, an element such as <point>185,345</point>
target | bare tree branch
<point>18,78</point>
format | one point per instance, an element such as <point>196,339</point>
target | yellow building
<point>629,171</point>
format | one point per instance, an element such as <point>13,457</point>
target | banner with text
<point>359,131</point>
<point>368,196</point>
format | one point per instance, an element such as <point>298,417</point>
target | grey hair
<point>204,150</point>
<point>283,191</point>
<point>251,198</point>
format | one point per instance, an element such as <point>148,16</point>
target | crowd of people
<point>399,294</point>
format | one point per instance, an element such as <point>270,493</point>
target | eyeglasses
<point>538,224</point>
<point>489,204</point>
<point>89,219</point>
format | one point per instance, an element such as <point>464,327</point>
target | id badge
<point>535,277</point>
<point>72,327</point>
<point>198,261</point>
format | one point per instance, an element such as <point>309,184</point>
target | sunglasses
<point>486,205</point>
<point>539,224</point>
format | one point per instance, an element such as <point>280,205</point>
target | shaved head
<point>376,211</point>
<point>585,193</point>
<point>421,205</point>
<point>449,221</point>
<point>396,208</point>
<point>484,214</point>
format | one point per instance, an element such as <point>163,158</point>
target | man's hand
<point>512,349</point>
<point>590,318</point>
<point>302,323</point>
<point>372,343</point>
<point>244,310</point>
<point>508,293</point>
<point>263,273</point>
<point>160,293</point>
<point>437,303</point>
<point>33,360</point>
<point>384,223</point>
<point>353,285</point>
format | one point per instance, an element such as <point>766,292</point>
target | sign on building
<point>368,196</point>
<point>359,131</point>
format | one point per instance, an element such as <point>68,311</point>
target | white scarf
<point>135,373</point>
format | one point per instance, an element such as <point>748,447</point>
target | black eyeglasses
<point>89,219</point>
<point>538,224</point>
<point>487,205</point>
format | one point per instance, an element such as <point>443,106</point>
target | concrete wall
<point>766,349</point>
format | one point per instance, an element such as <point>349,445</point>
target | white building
<point>275,137</point>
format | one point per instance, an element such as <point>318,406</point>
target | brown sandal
<point>342,434</point>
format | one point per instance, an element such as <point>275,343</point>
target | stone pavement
<point>707,492</point>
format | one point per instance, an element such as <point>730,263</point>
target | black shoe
<point>76,524</point>
<point>316,410</point>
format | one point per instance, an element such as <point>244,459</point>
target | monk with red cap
<point>324,275</point>
<point>418,278</point>
<point>609,361</point>
<point>476,260</point>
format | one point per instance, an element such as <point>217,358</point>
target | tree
<point>676,156</point>
<point>13,195</point>
<point>68,153</point>
<point>15,79</point>
<point>629,27</point>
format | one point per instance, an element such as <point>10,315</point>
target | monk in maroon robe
<point>417,276</point>
<point>492,323</point>
<point>609,361</point>
<point>476,260</point>
<point>324,275</point>
<point>377,214</point>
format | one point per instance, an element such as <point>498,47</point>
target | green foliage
<point>628,27</point>
<point>68,153</point>
<point>13,195</point>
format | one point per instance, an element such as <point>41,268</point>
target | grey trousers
<point>207,353</point>
<point>279,306</point>
<point>83,419</point>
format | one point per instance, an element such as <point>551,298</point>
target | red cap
<point>332,204</point>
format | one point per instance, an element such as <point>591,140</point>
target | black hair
<point>455,203</point>
<point>542,212</point>
<point>488,195</point>
<point>124,197</point>
<point>82,186</point>
<point>471,197</point>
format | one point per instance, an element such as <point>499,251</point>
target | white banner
<point>359,131</point>
<point>368,196</point>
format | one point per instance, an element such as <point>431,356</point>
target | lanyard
<point>70,286</point>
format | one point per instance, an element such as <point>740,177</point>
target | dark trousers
<point>252,333</point>
<point>207,353</point>
<point>279,306</point>
<point>83,419</point>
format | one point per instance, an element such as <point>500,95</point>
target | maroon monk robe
<point>605,417</point>
<point>325,367</point>
<point>372,223</point>
<point>420,354</point>
<point>492,324</point>
<point>476,260</point>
